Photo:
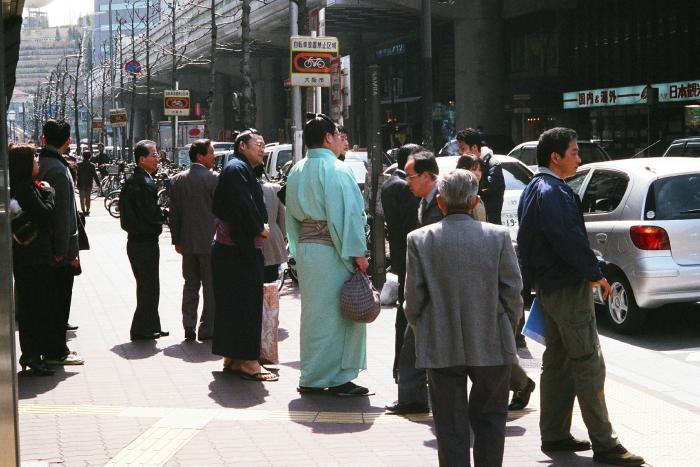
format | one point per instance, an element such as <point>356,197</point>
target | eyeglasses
<point>432,175</point>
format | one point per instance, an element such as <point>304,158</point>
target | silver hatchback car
<point>643,216</point>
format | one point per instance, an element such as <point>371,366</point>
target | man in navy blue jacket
<point>558,260</point>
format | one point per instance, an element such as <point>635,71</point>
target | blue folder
<point>534,326</point>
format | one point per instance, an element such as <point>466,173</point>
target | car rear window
<point>283,157</point>
<point>528,155</point>
<point>676,197</point>
<point>692,149</point>
<point>516,176</point>
<point>591,153</point>
<point>675,150</point>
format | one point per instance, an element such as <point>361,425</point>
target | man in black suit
<point>492,185</point>
<point>142,220</point>
<point>421,174</point>
<point>401,214</point>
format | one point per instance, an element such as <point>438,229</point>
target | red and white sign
<point>176,102</point>
<point>310,60</point>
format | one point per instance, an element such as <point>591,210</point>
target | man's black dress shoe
<point>569,444</point>
<point>617,456</point>
<point>163,333</point>
<point>522,397</point>
<point>190,335</point>
<point>70,327</point>
<point>399,408</point>
<point>144,337</point>
<point>349,389</point>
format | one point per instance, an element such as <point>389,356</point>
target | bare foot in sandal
<point>251,369</point>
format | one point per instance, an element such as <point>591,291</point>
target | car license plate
<point>509,219</point>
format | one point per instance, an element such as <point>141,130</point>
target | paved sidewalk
<point>168,402</point>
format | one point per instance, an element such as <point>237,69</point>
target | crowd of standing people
<point>460,306</point>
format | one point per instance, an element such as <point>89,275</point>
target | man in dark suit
<point>54,169</point>
<point>141,219</point>
<point>462,300</point>
<point>192,230</point>
<point>422,173</point>
<point>492,185</point>
<point>401,214</point>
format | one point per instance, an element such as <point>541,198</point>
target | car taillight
<point>649,237</point>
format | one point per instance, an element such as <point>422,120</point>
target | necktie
<point>421,209</point>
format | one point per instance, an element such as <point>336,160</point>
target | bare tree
<point>80,43</point>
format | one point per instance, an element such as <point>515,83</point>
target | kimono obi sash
<point>315,232</point>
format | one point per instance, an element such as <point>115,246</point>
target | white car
<point>516,174</point>
<point>643,216</point>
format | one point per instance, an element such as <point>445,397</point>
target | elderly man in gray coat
<point>192,230</point>
<point>463,300</point>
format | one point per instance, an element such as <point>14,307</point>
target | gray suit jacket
<point>64,223</point>
<point>191,217</point>
<point>462,293</point>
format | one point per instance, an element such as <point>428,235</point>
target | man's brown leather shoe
<point>618,456</point>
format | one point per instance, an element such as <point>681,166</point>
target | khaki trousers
<point>573,367</point>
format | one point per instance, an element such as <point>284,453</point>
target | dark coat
<point>191,218</point>
<point>492,188</point>
<point>401,214</point>
<point>53,168</point>
<point>552,239</point>
<point>140,215</point>
<point>38,204</point>
<point>431,214</point>
<point>238,201</point>
<point>86,174</point>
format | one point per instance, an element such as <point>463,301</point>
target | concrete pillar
<point>479,67</point>
<point>269,102</point>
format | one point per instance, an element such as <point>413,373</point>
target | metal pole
<point>378,254</point>
<point>427,74</point>
<point>9,432</point>
<point>321,33</point>
<point>177,86</point>
<point>296,92</point>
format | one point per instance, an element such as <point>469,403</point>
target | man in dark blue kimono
<point>237,260</point>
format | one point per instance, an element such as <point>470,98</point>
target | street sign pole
<point>177,87</point>
<point>296,90</point>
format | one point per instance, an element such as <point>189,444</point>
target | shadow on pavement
<point>192,352</point>
<point>282,334</point>
<point>231,391</point>
<point>295,364</point>
<point>330,403</point>
<point>29,386</point>
<point>137,350</point>
<point>671,327</point>
<point>565,459</point>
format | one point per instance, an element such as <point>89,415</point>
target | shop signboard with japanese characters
<point>630,95</point>
<point>176,102</point>
<point>310,60</point>
<point>118,118</point>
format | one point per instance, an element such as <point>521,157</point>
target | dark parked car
<point>683,147</point>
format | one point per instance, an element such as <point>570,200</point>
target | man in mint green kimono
<point>325,228</point>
